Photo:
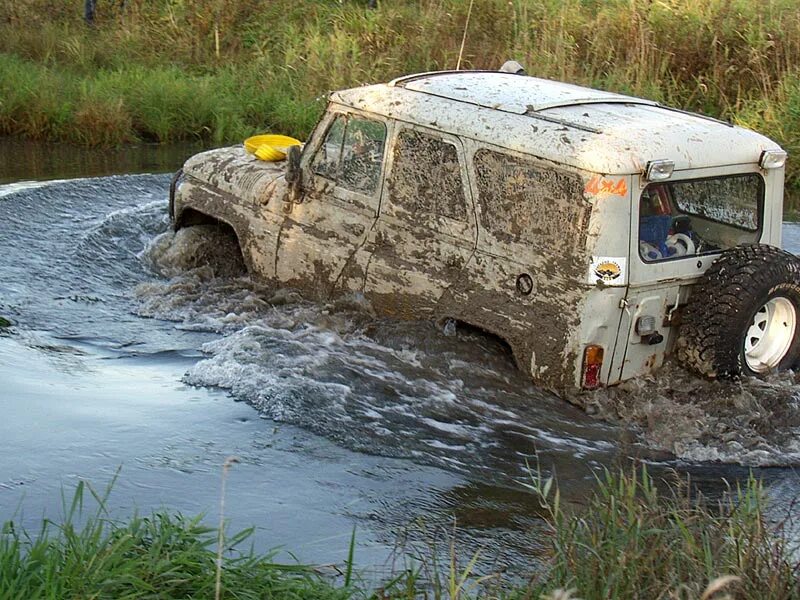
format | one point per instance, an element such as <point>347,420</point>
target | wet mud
<point>427,258</point>
<point>751,422</point>
<point>213,248</point>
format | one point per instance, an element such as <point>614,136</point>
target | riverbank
<point>630,541</point>
<point>36,160</point>
<point>217,70</point>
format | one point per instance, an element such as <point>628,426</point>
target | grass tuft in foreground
<point>629,542</point>
<point>633,541</point>
<point>159,556</point>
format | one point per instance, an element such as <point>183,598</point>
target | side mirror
<point>293,165</point>
<point>293,172</point>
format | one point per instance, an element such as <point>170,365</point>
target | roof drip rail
<point>564,122</point>
<point>588,101</point>
<point>698,115</point>
<point>401,81</point>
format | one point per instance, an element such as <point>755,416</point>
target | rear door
<point>527,278</point>
<point>427,228</point>
<point>680,226</point>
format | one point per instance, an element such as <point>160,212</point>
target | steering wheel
<point>680,244</point>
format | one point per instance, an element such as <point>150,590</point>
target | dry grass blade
<point>719,584</point>
<point>229,462</point>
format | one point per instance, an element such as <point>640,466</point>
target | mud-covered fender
<point>173,186</point>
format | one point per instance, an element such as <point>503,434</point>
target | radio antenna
<point>464,37</point>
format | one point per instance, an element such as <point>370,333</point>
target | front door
<point>338,206</point>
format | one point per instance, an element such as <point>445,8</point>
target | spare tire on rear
<point>742,317</point>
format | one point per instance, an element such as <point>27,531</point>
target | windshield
<point>700,216</point>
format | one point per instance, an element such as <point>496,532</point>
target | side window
<point>699,216</point>
<point>525,202</point>
<point>426,177</point>
<point>326,162</point>
<point>362,155</point>
<point>352,154</point>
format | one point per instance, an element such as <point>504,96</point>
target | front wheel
<point>742,317</point>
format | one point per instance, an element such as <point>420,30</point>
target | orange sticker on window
<point>598,186</point>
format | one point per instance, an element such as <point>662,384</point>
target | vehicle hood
<point>234,171</point>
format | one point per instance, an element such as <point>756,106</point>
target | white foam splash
<point>752,422</point>
<point>19,186</point>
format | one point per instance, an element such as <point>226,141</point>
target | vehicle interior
<point>678,219</point>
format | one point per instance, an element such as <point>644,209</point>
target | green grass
<point>218,70</point>
<point>628,542</point>
<point>159,556</point>
<point>632,541</point>
<point>158,103</point>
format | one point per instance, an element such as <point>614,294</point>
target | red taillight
<point>592,363</point>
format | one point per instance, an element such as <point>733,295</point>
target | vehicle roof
<point>585,128</point>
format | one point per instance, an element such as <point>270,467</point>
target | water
<point>26,160</point>
<point>125,353</point>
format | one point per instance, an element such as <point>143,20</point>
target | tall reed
<point>637,539</point>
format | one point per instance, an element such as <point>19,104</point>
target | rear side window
<point>525,202</point>
<point>730,200</point>
<point>702,216</point>
<point>426,177</point>
<point>352,154</point>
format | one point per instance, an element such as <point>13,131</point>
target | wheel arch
<point>190,217</point>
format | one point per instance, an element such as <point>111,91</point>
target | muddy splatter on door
<point>526,279</point>
<point>427,229</point>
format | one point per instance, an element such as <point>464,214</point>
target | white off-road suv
<point>596,233</point>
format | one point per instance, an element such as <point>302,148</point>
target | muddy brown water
<point>125,355</point>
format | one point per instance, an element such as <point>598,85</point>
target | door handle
<point>355,229</point>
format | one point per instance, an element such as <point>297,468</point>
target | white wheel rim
<point>770,335</point>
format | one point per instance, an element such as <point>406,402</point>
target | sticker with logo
<point>606,186</point>
<point>607,270</point>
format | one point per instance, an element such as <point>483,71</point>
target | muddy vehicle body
<point>597,234</point>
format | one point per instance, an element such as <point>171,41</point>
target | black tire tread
<point>726,294</point>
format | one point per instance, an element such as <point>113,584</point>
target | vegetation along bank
<point>630,541</point>
<point>219,70</point>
